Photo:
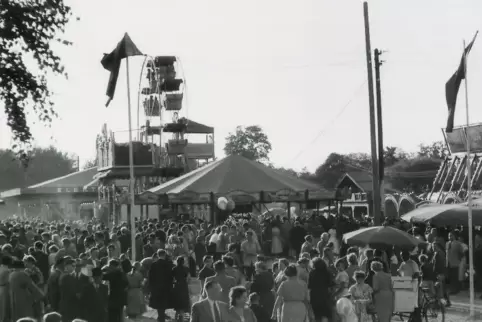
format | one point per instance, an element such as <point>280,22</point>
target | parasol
<point>446,215</point>
<point>381,236</point>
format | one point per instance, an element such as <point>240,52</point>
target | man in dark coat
<point>94,298</point>
<point>297,237</point>
<point>69,292</point>
<point>160,284</point>
<point>42,259</point>
<point>118,284</point>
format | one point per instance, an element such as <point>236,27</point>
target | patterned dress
<point>362,296</point>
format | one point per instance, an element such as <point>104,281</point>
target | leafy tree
<point>27,28</point>
<point>435,150</point>
<point>331,170</point>
<point>90,163</point>
<point>250,142</point>
<point>413,175</point>
<point>392,155</point>
<point>358,160</point>
<point>45,164</point>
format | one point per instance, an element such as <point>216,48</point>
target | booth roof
<point>76,180</point>
<point>234,173</point>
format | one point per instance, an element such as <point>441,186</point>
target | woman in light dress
<point>292,297</point>
<point>361,295</point>
<point>463,261</point>
<point>342,280</point>
<point>281,277</point>
<point>250,250</point>
<point>135,296</point>
<point>276,242</point>
<point>382,292</point>
<point>334,240</point>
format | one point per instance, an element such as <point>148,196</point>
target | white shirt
<point>214,239</point>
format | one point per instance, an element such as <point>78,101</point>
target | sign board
<point>456,141</point>
<point>474,134</point>
<point>285,195</point>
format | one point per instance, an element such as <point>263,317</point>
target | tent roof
<point>236,173</point>
<point>70,183</point>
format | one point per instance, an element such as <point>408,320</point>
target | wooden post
<point>373,135</point>
<point>381,150</point>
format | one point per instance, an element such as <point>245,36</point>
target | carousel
<point>237,184</point>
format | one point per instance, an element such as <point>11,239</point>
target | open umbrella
<point>381,236</point>
<point>446,215</point>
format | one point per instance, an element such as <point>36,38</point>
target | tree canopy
<point>91,163</point>
<point>250,142</point>
<point>27,29</point>
<point>44,164</point>
<point>413,172</point>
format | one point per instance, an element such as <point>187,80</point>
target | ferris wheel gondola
<point>160,104</point>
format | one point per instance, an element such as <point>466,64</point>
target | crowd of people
<point>249,270</point>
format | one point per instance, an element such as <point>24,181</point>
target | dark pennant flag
<point>453,84</point>
<point>112,62</point>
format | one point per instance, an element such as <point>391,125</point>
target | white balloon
<point>222,203</point>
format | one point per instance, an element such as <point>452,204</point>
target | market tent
<point>236,173</point>
<point>445,215</point>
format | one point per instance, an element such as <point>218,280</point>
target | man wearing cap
<point>117,290</point>
<point>94,298</point>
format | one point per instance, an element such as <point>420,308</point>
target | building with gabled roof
<point>358,186</point>
<point>59,196</point>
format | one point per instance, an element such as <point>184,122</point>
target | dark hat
<point>68,260</point>
<point>60,261</point>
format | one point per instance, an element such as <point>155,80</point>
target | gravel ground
<point>452,314</point>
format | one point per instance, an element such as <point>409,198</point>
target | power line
<point>320,133</point>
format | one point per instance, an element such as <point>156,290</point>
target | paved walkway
<point>460,305</point>
<point>461,302</point>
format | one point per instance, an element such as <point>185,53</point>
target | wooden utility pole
<point>381,161</point>
<point>373,134</point>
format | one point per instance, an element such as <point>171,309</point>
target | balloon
<point>231,205</point>
<point>293,210</point>
<point>222,203</point>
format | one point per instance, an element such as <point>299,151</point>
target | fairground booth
<point>245,185</point>
<point>60,197</point>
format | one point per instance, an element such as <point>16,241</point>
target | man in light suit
<point>209,309</point>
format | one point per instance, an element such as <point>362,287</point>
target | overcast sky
<point>291,67</point>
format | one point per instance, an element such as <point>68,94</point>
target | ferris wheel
<point>161,119</point>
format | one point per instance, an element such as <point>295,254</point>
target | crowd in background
<point>249,270</point>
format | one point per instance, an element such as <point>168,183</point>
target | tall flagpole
<point>131,167</point>
<point>469,192</point>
